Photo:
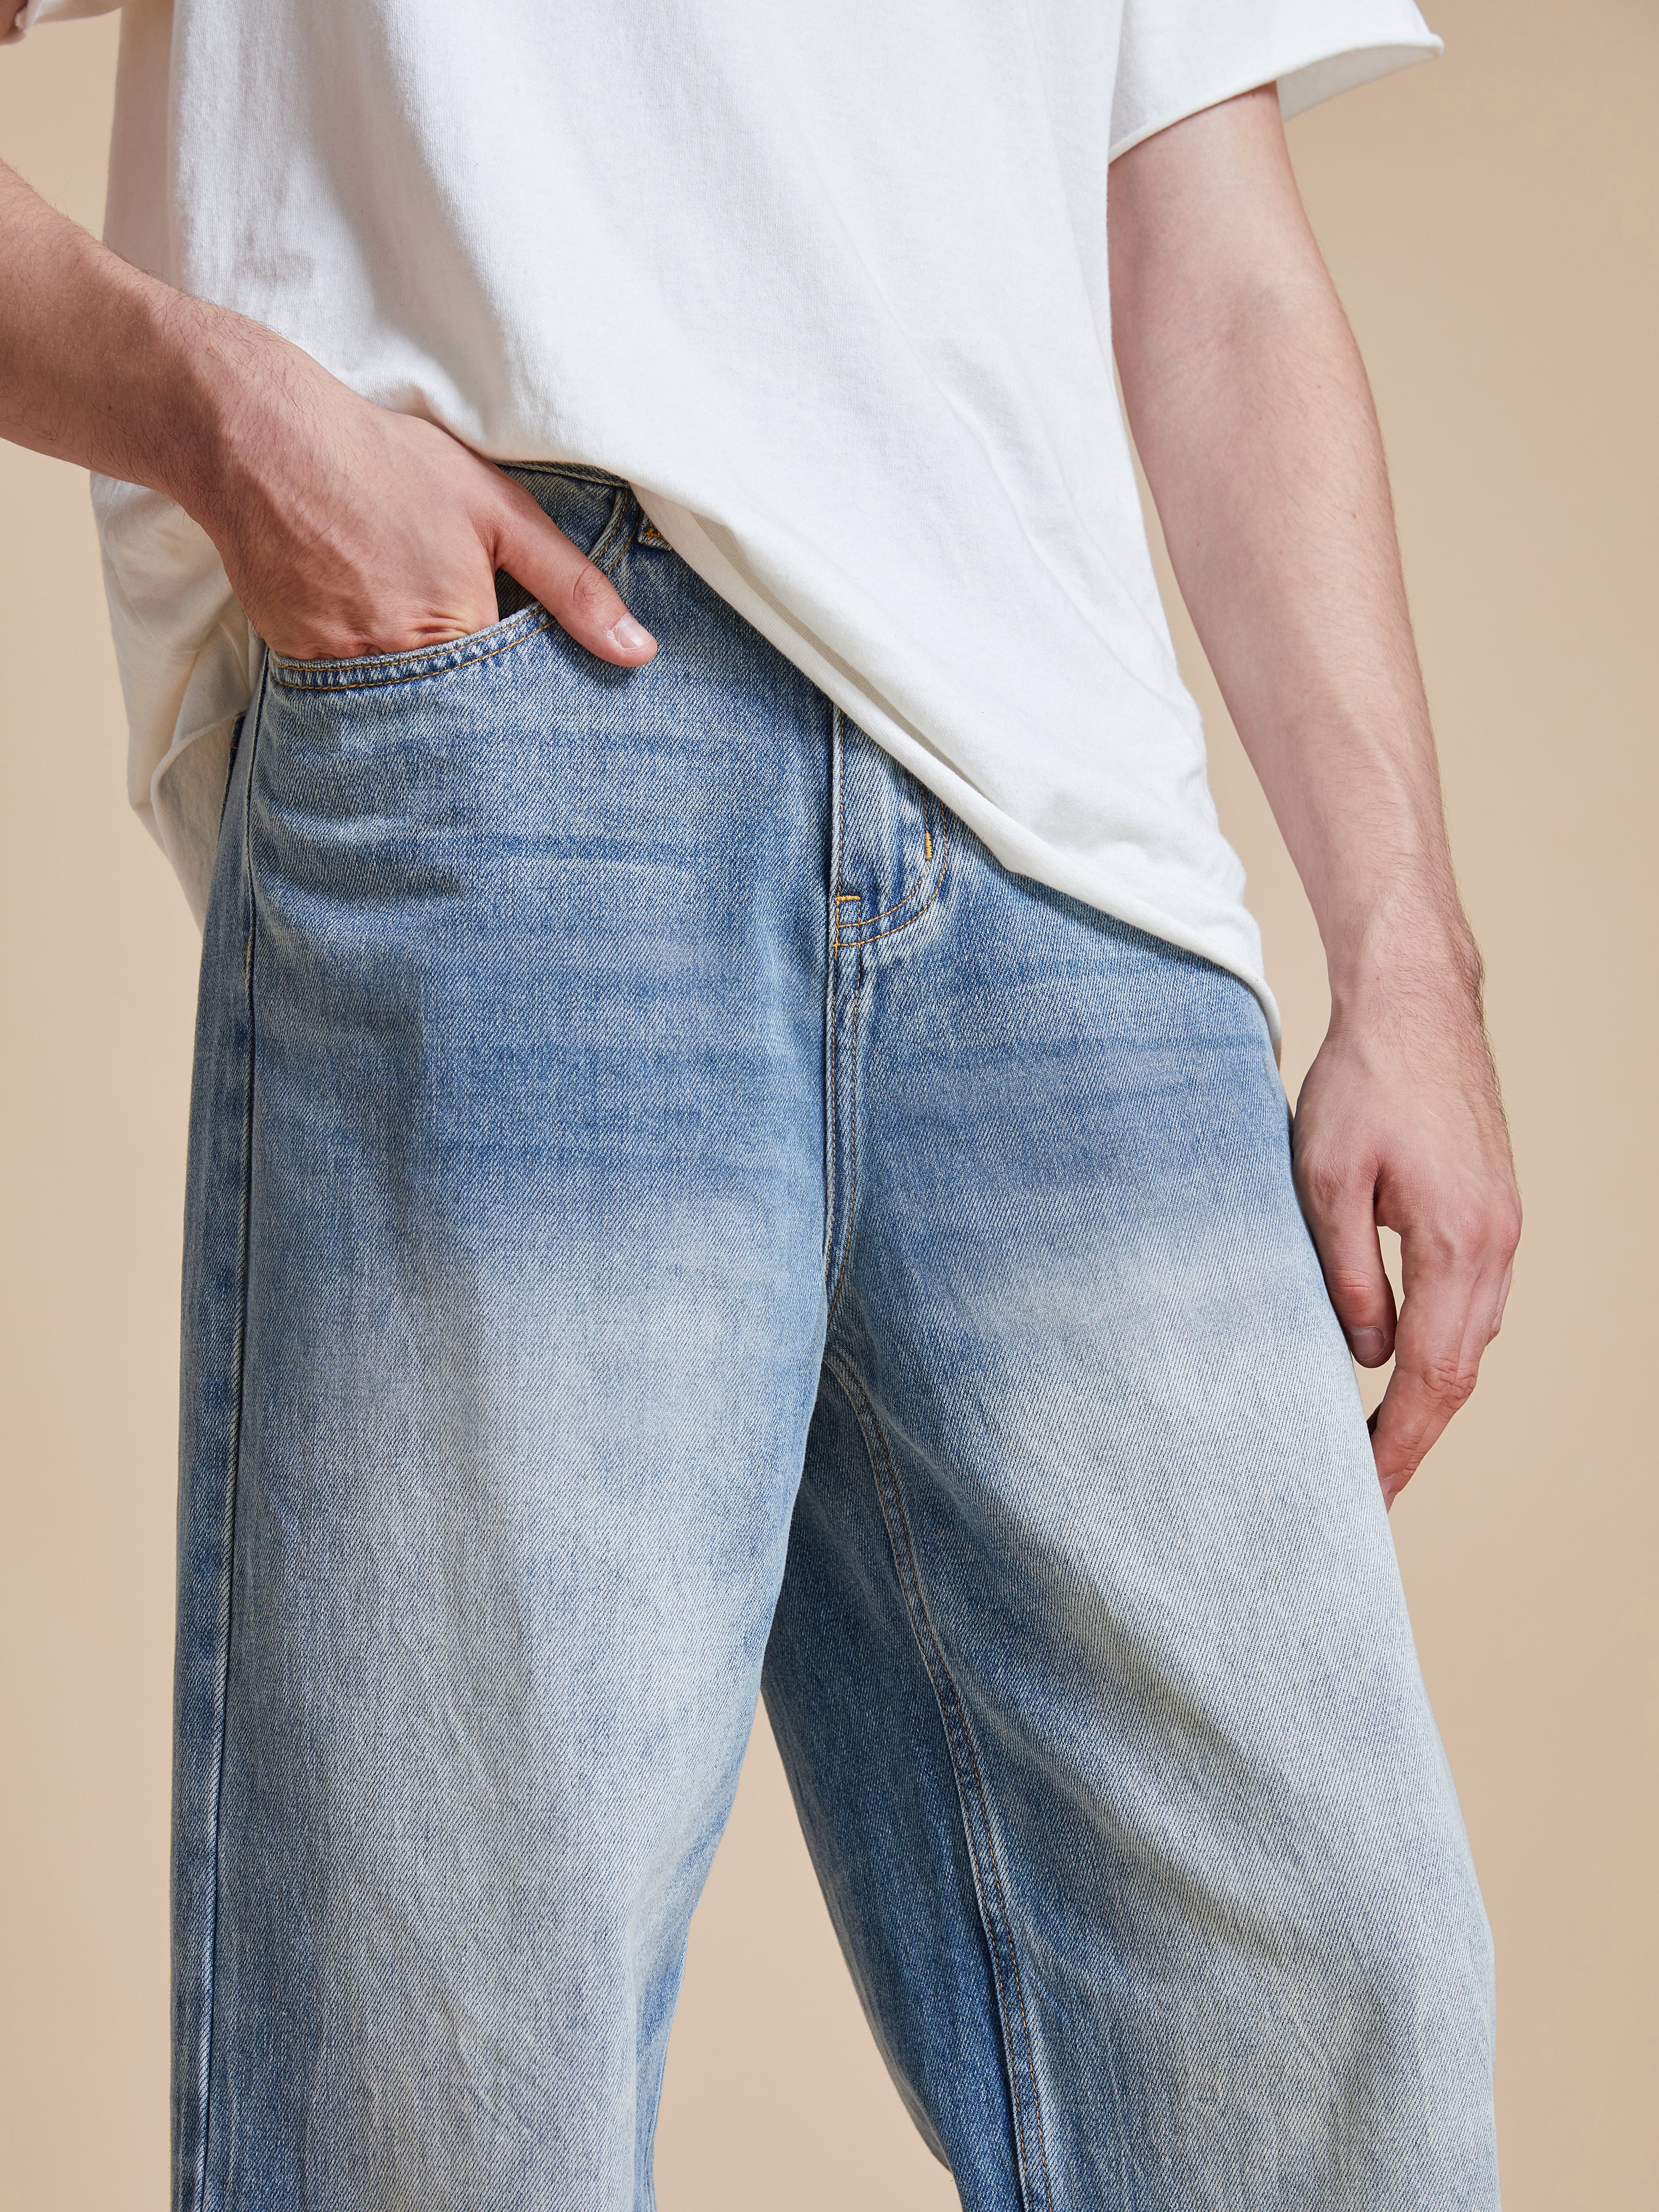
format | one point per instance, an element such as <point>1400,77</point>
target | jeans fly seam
<point>832,1113</point>
<point>834,1265</point>
<point>870,936</point>
<point>838,742</point>
<point>830,996</point>
<point>956,1725</point>
<point>210,1994</point>
<point>920,885</point>
<point>852,1111</point>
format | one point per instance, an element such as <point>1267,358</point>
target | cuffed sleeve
<point>52,11</point>
<point>1179,56</point>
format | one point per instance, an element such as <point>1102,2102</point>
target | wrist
<point>1420,952</point>
<point>209,370</point>
<point>201,399</point>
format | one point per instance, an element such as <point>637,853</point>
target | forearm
<point>1254,423</point>
<point>99,364</point>
<point>343,528</point>
<point>1253,419</point>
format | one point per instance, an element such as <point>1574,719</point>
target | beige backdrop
<point>1490,221</point>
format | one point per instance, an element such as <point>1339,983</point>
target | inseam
<point>228,1583</point>
<point>1020,2071</point>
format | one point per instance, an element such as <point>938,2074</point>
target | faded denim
<point>670,1215</point>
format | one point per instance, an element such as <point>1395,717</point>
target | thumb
<point>582,601</point>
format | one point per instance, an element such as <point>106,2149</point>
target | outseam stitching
<point>245,1233</point>
<point>955,1723</point>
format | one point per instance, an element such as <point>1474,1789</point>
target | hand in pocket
<point>346,529</point>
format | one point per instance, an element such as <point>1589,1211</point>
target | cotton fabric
<point>827,283</point>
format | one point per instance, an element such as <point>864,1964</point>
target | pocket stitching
<point>390,668</point>
<point>337,674</point>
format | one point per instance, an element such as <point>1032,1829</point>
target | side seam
<point>193,2195</point>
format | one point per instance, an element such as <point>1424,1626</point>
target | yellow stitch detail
<point>916,888</point>
<point>873,934</point>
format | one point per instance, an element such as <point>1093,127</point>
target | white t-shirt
<point>824,280</point>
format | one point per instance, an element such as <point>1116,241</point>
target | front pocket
<point>593,511</point>
<point>361,671</point>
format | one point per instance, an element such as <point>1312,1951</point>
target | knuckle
<point>1448,1379</point>
<point>1475,1228</point>
<point>1466,1228</point>
<point>1355,1290</point>
<point>588,593</point>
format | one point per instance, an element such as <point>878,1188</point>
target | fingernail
<point>1366,1345</point>
<point>630,636</point>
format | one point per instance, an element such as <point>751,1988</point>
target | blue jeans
<point>670,1217</point>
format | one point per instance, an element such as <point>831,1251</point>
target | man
<point>735,1132</point>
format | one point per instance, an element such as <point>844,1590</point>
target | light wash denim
<point>670,1216</point>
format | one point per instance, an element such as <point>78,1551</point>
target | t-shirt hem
<point>1020,849</point>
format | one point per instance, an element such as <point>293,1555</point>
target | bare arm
<point>343,528</point>
<point>1253,419</point>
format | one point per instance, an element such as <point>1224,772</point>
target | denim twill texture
<point>669,1213</point>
